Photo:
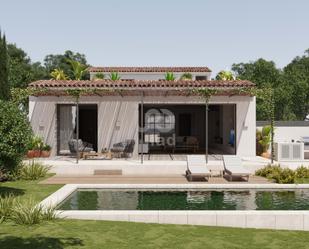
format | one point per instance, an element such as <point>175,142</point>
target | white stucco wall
<point>289,133</point>
<point>118,118</point>
<point>151,76</point>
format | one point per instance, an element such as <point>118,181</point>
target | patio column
<point>142,127</point>
<point>206,131</point>
<point>77,130</point>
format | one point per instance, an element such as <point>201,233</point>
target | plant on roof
<point>58,74</point>
<point>225,75</point>
<point>186,76</point>
<point>78,69</point>
<point>169,76</point>
<point>114,76</point>
<point>99,76</point>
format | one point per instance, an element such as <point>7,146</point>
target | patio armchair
<point>82,146</point>
<point>123,149</point>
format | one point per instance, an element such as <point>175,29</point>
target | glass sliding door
<point>66,127</point>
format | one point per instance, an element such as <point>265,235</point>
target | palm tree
<point>186,76</point>
<point>58,74</point>
<point>225,75</point>
<point>169,76</point>
<point>78,69</point>
<point>114,76</point>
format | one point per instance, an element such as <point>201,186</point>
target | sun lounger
<point>233,167</point>
<point>196,166</point>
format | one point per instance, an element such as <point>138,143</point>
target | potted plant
<point>45,150</point>
<point>35,147</point>
<point>263,141</point>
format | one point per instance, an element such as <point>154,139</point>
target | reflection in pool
<point>253,199</point>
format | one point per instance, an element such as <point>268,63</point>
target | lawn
<point>102,234</point>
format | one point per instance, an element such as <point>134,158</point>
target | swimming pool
<point>186,199</point>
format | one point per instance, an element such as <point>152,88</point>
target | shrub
<point>283,175</point>
<point>6,204</point>
<point>286,175</point>
<point>33,171</point>
<point>26,213</point>
<point>49,214</point>
<point>15,135</point>
<point>29,213</point>
<point>302,172</point>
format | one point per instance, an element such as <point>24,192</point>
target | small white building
<point>160,116</point>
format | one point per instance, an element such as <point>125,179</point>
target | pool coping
<point>269,219</point>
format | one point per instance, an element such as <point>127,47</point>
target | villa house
<point>161,116</point>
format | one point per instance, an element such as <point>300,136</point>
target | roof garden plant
<point>169,76</point>
<point>78,69</point>
<point>58,74</point>
<point>114,76</point>
<point>99,76</point>
<point>225,75</point>
<point>186,76</point>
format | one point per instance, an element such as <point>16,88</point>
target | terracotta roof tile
<point>145,84</point>
<point>149,69</point>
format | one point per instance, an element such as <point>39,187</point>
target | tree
<point>61,61</point>
<point>296,76</point>
<point>21,70</point>
<point>265,75</point>
<point>78,69</point>
<point>225,75</point>
<point>15,135</point>
<point>4,75</point>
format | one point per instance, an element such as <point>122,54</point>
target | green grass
<point>102,234</point>
<point>26,189</point>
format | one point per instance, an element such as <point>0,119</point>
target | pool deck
<point>139,179</point>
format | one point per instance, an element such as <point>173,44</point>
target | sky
<point>213,33</point>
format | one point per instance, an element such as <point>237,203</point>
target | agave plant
<point>99,76</point>
<point>169,76</point>
<point>225,75</point>
<point>186,76</point>
<point>114,76</point>
<point>78,69</point>
<point>58,74</point>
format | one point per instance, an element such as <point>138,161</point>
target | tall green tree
<point>296,76</point>
<point>21,70</point>
<point>4,72</point>
<point>265,74</point>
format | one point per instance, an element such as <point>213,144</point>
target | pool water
<point>109,199</point>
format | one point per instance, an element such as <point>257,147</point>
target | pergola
<point>204,89</point>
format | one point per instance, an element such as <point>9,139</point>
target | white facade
<point>118,118</point>
<point>151,76</point>
<point>289,133</point>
